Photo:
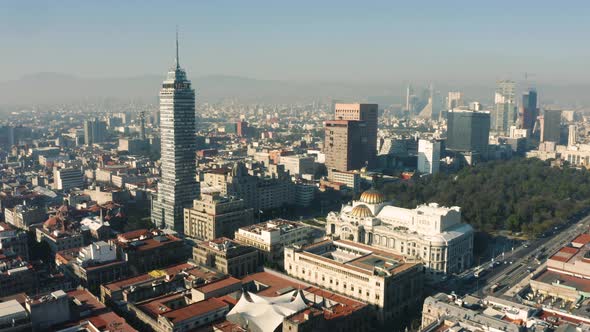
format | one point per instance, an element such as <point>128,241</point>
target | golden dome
<point>372,196</point>
<point>361,211</point>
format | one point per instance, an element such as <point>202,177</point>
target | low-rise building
<point>16,275</point>
<point>67,178</point>
<point>146,250</point>
<point>156,283</point>
<point>93,265</point>
<point>271,237</point>
<point>23,216</point>
<point>176,312</point>
<point>388,281</point>
<point>444,312</point>
<point>59,234</point>
<point>227,256</point>
<point>15,240</point>
<point>298,165</point>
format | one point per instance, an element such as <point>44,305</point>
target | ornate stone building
<point>429,232</point>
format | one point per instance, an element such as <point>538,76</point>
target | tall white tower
<point>428,156</point>
<point>178,186</point>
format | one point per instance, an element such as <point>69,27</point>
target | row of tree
<point>520,195</point>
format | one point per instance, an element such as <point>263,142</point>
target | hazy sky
<point>301,40</point>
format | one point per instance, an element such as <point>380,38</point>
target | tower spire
<point>177,59</point>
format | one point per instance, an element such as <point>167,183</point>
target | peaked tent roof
<point>263,313</point>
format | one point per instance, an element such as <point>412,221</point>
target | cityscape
<point>295,167</point>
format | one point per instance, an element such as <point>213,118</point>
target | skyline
<point>379,42</point>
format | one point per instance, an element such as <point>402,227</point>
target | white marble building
<point>429,232</point>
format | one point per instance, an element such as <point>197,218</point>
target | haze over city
<point>217,166</point>
<point>331,45</point>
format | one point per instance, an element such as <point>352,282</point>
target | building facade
<point>214,216</point>
<point>178,186</point>
<point>429,233</point>
<point>551,126</point>
<point>67,178</point>
<point>227,256</point>
<point>345,145</point>
<point>468,131</point>
<point>428,156</point>
<point>387,281</point>
<point>369,113</point>
<point>271,237</point>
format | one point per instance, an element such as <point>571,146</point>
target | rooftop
<point>275,225</point>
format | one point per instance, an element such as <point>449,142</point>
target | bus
<point>479,272</point>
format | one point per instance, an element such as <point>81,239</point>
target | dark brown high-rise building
<point>346,144</point>
<point>368,113</point>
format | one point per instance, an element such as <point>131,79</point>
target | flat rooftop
<point>356,256</point>
<point>282,225</point>
<point>550,277</point>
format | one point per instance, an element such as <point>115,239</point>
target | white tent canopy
<point>263,313</point>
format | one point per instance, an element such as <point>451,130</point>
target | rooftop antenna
<point>177,58</point>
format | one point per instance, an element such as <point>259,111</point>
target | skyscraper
<point>95,131</point>
<point>368,113</point>
<point>454,99</point>
<point>551,126</point>
<point>177,187</point>
<point>345,145</point>
<point>428,156</point>
<point>572,137</point>
<point>468,131</point>
<point>528,111</point>
<point>504,114</point>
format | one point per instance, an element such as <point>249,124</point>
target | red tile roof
<point>582,239</point>
<point>195,309</point>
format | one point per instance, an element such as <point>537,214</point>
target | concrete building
<point>14,240</point>
<point>428,156</point>
<point>551,126</point>
<point>369,113</point>
<point>529,111</point>
<point>454,99</point>
<point>298,165</point>
<point>377,277</point>
<point>178,186</point>
<point>67,178</point>
<point>468,131</point>
<point>23,216</point>
<point>60,234</point>
<point>214,216</point>
<point>443,312</point>
<point>351,179</point>
<point>572,137</point>
<point>227,256</point>
<point>272,190</point>
<point>346,145</point>
<point>271,237</point>
<point>578,155</point>
<point>146,250</point>
<point>156,283</point>
<point>16,275</point>
<point>92,266</point>
<point>504,114</point>
<point>432,234</point>
<point>177,312</point>
<point>95,131</point>
<point>14,317</point>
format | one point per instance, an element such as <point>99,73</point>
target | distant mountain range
<point>50,88</point>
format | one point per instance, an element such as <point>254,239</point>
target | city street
<point>512,267</point>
